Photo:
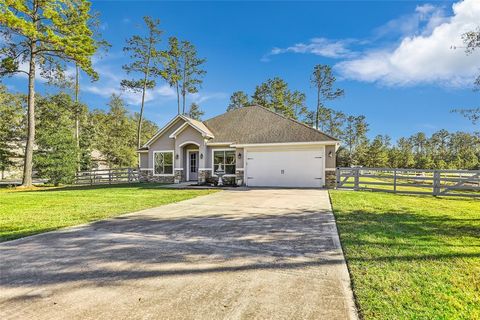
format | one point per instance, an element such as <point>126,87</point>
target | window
<point>163,162</point>
<point>225,158</point>
<point>193,162</point>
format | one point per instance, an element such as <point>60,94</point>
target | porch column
<point>178,163</point>
<point>202,163</point>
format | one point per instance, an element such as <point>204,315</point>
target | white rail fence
<point>464,183</point>
<point>107,176</point>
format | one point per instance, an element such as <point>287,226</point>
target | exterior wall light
<point>201,155</point>
<point>239,155</point>
<point>176,156</point>
<point>330,154</point>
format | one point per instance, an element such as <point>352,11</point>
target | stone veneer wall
<point>147,176</point>
<point>178,176</point>
<point>330,179</point>
<point>203,176</point>
<point>239,179</point>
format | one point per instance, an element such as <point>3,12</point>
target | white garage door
<point>290,168</point>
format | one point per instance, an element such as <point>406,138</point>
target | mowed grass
<point>411,257</point>
<point>27,212</point>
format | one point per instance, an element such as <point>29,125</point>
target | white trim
<point>330,169</point>
<point>213,159</point>
<point>162,130</point>
<point>173,163</point>
<point>188,162</point>
<point>183,126</point>
<point>205,169</point>
<point>220,143</point>
<point>284,144</point>
<point>177,168</point>
<point>189,142</point>
<point>240,169</point>
<point>142,151</point>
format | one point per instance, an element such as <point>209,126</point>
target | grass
<point>411,257</point>
<point>27,212</point>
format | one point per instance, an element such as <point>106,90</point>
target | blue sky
<point>393,58</point>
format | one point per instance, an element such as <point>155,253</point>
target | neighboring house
<point>253,145</point>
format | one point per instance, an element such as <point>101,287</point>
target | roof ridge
<point>296,121</point>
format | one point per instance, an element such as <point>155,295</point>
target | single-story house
<point>251,146</point>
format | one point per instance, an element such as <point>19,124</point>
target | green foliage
<point>238,99</point>
<point>45,34</point>
<point>172,66</point>
<point>56,154</point>
<point>115,133</point>
<point>471,39</point>
<point>59,30</point>
<point>12,114</point>
<point>323,80</point>
<point>354,138</point>
<point>145,64</point>
<point>192,72</point>
<point>182,69</point>
<point>195,112</point>
<point>275,95</point>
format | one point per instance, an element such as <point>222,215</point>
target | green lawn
<point>411,257</point>
<point>24,213</point>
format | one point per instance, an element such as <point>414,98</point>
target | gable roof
<point>198,125</point>
<point>255,124</point>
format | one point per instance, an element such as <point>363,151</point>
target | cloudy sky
<point>396,60</point>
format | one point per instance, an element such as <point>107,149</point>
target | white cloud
<point>425,18</point>
<point>200,97</point>
<point>426,57</point>
<point>317,46</point>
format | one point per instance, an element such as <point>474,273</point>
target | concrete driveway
<point>246,254</point>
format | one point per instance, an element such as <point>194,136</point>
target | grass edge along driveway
<point>411,257</point>
<point>29,212</point>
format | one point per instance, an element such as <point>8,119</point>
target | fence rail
<point>463,183</point>
<point>107,176</point>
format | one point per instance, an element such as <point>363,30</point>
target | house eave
<point>273,144</point>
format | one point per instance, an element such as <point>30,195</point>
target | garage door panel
<point>296,168</point>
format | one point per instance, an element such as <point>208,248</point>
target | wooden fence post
<point>436,182</point>
<point>395,180</point>
<point>357,178</point>
<point>337,177</point>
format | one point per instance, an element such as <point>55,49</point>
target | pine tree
<point>46,34</point>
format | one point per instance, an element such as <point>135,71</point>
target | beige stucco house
<point>251,146</point>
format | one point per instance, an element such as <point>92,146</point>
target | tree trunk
<point>77,119</point>
<point>318,108</point>
<point>178,98</point>
<point>145,79</point>
<point>184,91</point>
<point>28,163</point>
<point>139,127</point>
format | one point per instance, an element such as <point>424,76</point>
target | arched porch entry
<point>191,160</point>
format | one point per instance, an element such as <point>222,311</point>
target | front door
<point>193,165</point>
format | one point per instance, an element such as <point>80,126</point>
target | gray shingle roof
<point>256,124</point>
